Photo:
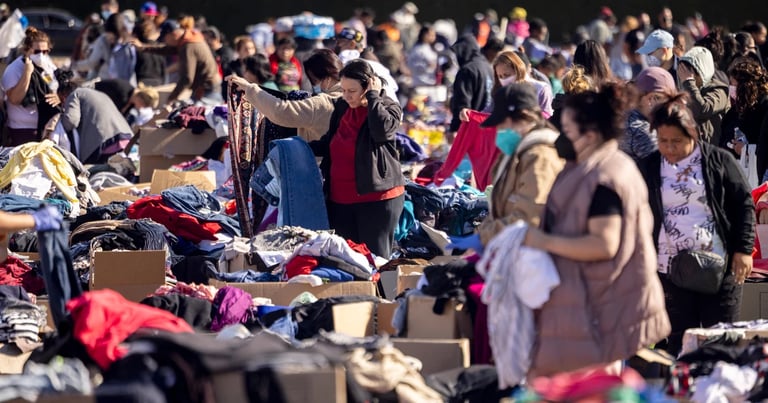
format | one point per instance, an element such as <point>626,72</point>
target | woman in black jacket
<point>363,180</point>
<point>700,202</point>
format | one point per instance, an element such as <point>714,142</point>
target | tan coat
<point>522,183</point>
<point>311,116</point>
<point>607,310</point>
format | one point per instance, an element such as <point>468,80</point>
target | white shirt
<point>688,220</point>
<point>19,117</point>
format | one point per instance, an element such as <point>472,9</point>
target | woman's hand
<point>684,73</point>
<point>464,115</point>
<point>374,85</point>
<point>53,100</point>
<point>237,82</point>
<point>741,266</point>
<point>534,238</point>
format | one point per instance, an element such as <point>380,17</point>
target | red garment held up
<point>479,143</point>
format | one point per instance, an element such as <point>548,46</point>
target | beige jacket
<point>522,183</point>
<point>606,310</point>
<point>310,116</point>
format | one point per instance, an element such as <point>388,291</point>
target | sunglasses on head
<point>38,51</point>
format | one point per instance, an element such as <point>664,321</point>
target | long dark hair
<point>591,55</point>
<point>66,85</point>
<point>259,66</point>
<point>676,113</point>
<point>323,63</point>
<point>603,112</point>
<point>361,71</point>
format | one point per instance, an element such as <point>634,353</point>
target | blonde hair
<point>511,60</point>
<point>577,81</point>
<point>148,95</point>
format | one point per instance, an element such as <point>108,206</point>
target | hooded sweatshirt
<point>710,102</point>
<point>472,87</point>
<point>197,66</point>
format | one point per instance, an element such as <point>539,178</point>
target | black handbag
<point>697,270</point>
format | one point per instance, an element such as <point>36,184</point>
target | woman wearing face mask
<point>526,169</point>
<point>655,86</point>
<point>749,114</point>
<point>597,226</point>
<point>363,178</point>
<point>708,97</point>
<point>700,202</point>
<point>311,115</point>
<point>30,89</point>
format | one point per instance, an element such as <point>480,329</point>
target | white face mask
<point>732,91</point>
<point>507,81</point>
<point>37,59</point>
<point>653,61</point>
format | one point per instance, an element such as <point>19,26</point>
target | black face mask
<point>564,147</point>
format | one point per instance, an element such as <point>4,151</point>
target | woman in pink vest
<point>597,226</point>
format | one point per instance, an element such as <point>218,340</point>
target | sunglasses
<point>38,51</point>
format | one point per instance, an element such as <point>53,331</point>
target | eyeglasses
<point>38,51</point>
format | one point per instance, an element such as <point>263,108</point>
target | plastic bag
<point>12,33</point>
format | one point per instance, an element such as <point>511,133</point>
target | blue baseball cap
<point>656,40</point>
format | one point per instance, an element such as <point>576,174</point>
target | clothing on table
<point>192,117</point>
<point>61,282</point>
<point>205,292</point>
<point>68,376</point>
<point>231,306</point>
<point>300,265</point>
<point>247,276</point>
<point>104,319</point>
<point>20,323</point>
<point>512,292</point>
<point>326,244</point>
<point>409,150</point>
<point>181,224</point>
<point>14,292</point>
<point>196,312</point>
<point>242,142</point>
<point>479,144</point>
<point>333,275</point>
<point>53,163</point>
<point>15,272</point>
<point>201,205</point>
<point>371,223</point>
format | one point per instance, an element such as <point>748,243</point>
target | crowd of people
<point>630,151</point>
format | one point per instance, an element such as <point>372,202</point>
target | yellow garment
<point>55,166</point>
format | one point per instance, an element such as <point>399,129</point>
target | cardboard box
<point>120,193</point>
<point>162,180</point>
<point>12,360</point>
<point>436,355</point>
<point>165,91</point>
<point>354,319</point>
<point>384,314</point>
<point>30,256</point>
<point>754,301</point>
<point>423,323</point>
<point>298,385</point>
<point>134,274</point>
<point>408,277</point>
<point>160,148</point>
<point>284,293</point>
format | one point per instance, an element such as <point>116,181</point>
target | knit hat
<point>655,79</point>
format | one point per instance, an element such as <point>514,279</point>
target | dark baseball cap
<point>167,27</point>
<point>507,100</point>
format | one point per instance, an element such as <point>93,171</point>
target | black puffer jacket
<point>474,81</point>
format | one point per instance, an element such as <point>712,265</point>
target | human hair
<point>713,41</point>
<point>743,39</point>
<point>674,112</point>
<point>511,60</point>
<point>323,63</point>
<point>148,95</point>
<point>115,25</point>
<point>536,24</point>
<point>492,47</point>
<point>259,66</point>
<point>187,22</point>
<point>550,62</point>
<point>360,71</point>
<point>213,33</point>
<point>286,41</point>
<point>634,39</point>
<point>65,77</point>
<point>752,82</point>
<point>603,112</point>
<point>576,81</point>
<point>31,36</point>
<point>591,55</point>
<point>425,29</point>
<point>240,41</point>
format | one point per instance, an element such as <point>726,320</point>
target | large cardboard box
<point>134,274</point>
<point>354,319</point>
<point>12,360</point>
<point>423,323</point>
<point>436,355</point>
<point>162,179</point>
<point>384,313</point>
<point>160,148</point>
<point>284,293</point>
<point>408,277</point>
<point>754,301</point>
<point>165,91</point>
<point>298,386</point>
<point>120,193</point>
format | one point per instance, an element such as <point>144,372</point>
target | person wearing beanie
<point>655,86</point>
<point>708,97</point>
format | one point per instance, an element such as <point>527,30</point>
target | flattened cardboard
<point>284,293</point>
<point>423,323</point>
<point>327,385</point>
<point>162,180</point>
<point>354,319</point>
<point>436,355</point>
<point>12,360</point>
<point>134,274</point>
<point>384,314</point>
<point>408,276</point>
<point>30,256</point>
<point>160,148</point>
<point>120,193</point>
<point>151,163</point>
<point>754,301</point>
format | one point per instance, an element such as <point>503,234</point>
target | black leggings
<point>689,309</point>
<point>371,223</point>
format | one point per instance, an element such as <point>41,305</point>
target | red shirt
<point>343,184</point>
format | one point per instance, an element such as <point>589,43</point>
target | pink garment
<point>589,383</point>
<point>481,344</point>
<point>479,143</point>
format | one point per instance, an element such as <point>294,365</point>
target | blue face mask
<point>508,140</point>
<point>316,89</point>
<point>105,14</point>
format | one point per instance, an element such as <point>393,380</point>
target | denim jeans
<point>61,282</point>
<point>188,199</point>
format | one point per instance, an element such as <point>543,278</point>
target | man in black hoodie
<point>472,87</point>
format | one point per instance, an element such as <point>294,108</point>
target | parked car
<point>60,25</point>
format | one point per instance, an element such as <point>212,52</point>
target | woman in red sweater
<point>363,180</point>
